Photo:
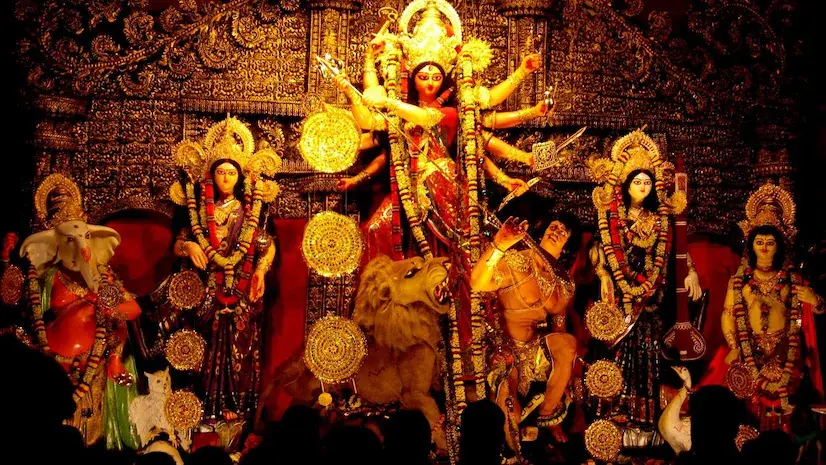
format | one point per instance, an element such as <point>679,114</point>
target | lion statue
<point>398,305</point>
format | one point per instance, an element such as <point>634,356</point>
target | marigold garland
<point>780,387</point>
<point>101,331</point>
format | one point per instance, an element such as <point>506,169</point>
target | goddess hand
<point>345,184</point>
<point>342,82</point>
<point>543,107</point>
<point>517,186</point>
<point>375,100</point>
<point>257,285</point>
<point>531,62</point>
<point>196,254</point>
<point>692,283</point>
<point>806,295</point>
<point>510,233</point>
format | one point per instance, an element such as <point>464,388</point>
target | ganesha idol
<point>80,309</point>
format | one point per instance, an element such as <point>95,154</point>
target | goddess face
<point>428,81</point>
<point>639,188</point>
<point>225,178</point>
<point>555,237</point>
<point>765,247</point>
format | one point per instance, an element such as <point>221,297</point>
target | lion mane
<point>392,323</point>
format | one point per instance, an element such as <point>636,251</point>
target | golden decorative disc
<point>330,140</point>
<point>325,399</point>
<point>185,290</point>
<point>605,321</point>
<point>11,285</point>
<point>745,434</point>
<point>336,347</point>
<point>183,410</point>
<point>740,379</point>
<point>109,296</point>
<point>332,244</point>
<point>604,379</point>
<point>185,350</point>
<point>603,440</point>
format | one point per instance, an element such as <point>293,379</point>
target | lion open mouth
<point>442,291</point>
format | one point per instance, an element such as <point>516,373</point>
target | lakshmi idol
<point>768,318</point>
<point>225,187</point>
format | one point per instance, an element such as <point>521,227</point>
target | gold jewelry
<point>527,114</point>
<point>393,104</point>
<point>495,256</point>
<point>73,287</point>
<point>731,340</point>
<point>820,306</point>
<point>263,265</point>
<point>361,177</point>
<point>229,139</point>
<point>513,153</point>
<point>770,205</point>
<point>434,117</point>
<point>502,179</point>
<point>517,77</point>
<point>429,40</point>
<point>377,123</point>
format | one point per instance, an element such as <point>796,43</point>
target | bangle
<point>731,340</point>
<point>182,248</point>
<point>502,179</point>
<point>361,177</point>
<point>495,256</point>
<point>527,114</point>
<point>517,77</point>
<point>513,153</point>
<point>393,104</point>
<point>263,265</point>
<point>820,306</point>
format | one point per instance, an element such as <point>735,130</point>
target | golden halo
<point>332,244</point>
<point>11,285</point>
<point>603,440</point>
<point>330,140</point>
<point>605,321</point>
<point>335,349</point>
<point>183,410</point>
<point>740,379</point>
<point>185,290</point>
<point>604,379</point>
<point>185,350</point>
